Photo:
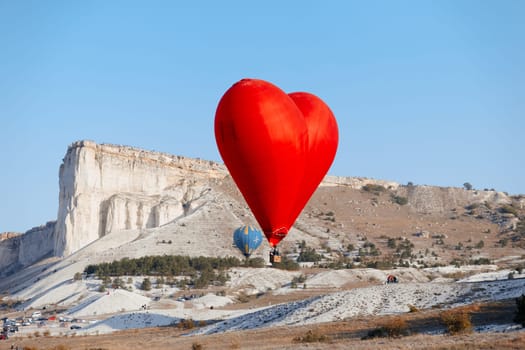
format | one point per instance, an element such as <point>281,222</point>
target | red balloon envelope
<point>277,147</point>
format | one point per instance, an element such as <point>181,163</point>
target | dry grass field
<point>413,330</point>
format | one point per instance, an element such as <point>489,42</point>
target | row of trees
<point>200,271</point>
<point>165,265</point>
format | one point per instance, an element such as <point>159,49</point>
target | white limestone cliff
<point>19,250</point>
<point>105,188</point>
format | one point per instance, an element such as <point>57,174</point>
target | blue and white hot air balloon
<point>247,239</point>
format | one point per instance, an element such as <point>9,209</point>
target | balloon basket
<point>275,257</point>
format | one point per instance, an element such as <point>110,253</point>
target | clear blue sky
<point>431,92</point>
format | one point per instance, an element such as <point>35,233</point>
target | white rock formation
<point>432,199</point>
<point>105,188</point>
<point>21,250</point>
<point>357,182</point>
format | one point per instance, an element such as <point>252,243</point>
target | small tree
<point>373,188</point>
<point>467,186</point>
<point>117,283</point>
<point>160,282</point>
<point>146,284</point>
<point>399,200</point>
<point>391,243</point>
<point>106,280</point>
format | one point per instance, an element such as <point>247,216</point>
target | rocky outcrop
<point>8,254</point>
<point>439,200</point>
<point>358,182</point>
<point>8,235</point>
<point>104,188</point>
<point>21,250</point>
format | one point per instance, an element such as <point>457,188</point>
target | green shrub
<point>117,283</point>
<point>308,255</point>
<point>160,282</point>
<point>106,280</point>
<point>480,244</point>
<point>375,189</point>
<point>399,200</point>
<point>146,284</point>
<point>391,243</point>
<point>480,261</point>
<point>297,280</point>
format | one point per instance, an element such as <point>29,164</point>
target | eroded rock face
<point>358,182</point>
<point>20,250</point>
<point>105,188</point>
<point>439,200</point>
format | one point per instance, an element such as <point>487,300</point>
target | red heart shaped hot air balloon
<point>277,148</point>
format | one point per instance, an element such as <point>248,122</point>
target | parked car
<point>75,326</point>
